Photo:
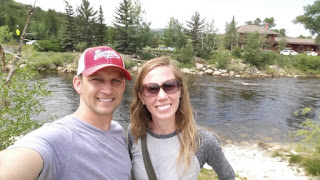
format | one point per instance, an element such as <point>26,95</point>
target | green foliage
<point>185,54</point>
<point>48,45</point>
<point>310,132</point>
<point>236,52</point>
<point>207,174</point>
<point>252,50</point>
<point>310,163</point>
<point>19,102</point>
<point>146,56</point>
<point>81,46</point>
<point>86,21</point>
<point>222,58</point>
<point>231,36</point>
<point>5,34</point>
<point>196,27</point>
<point>308,64</point>
<point>282,44</point>
<point>129,64</point>
<point>46,60</point>
<point>311,19</point>
<point>132,32</point>
<point>174,35</point>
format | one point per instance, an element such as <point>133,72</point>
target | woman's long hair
<point>140,117</point>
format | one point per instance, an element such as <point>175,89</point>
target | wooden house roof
<point>253,28</point>
<point>302,41</point>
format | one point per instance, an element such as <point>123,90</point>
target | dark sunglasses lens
<point>170,86</point>
<point>151,90</point>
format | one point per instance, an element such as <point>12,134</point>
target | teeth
<point>105,100</point>
<point>163,107</point>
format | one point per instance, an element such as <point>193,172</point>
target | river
<point>237,109</point>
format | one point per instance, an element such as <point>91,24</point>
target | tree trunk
<point>2,57</point>
<point>16,60</point>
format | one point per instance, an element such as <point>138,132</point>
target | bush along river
<point>237,109</point>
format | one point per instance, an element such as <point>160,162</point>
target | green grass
<point>310,163</point>
<point>207,174</point>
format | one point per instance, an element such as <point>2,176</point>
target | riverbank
<point>258,162</point>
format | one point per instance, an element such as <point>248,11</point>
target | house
<point>300,44</point>
<point>297,44</point>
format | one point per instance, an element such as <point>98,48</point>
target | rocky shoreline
<point>256,162</point>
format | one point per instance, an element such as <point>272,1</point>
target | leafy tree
<point>270,22</point>
<point>5,34</point>
<point>68,35</point>
<point>87,18</point>
<point>101,29</point>
<point>257,22</point>
<point>174,35</point>
<point>20,97</point>
<point>311,19</point>
<point>281,31</point>
<point>282,44</point>
<point>231,35</point>
<point>252,50</point>
<point>196,27</point>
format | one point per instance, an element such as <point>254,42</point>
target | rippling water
<point>237,109</point>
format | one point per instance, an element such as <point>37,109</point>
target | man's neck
<point>99,121</point>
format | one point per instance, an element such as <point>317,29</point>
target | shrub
<point>236,52</point>
<point>19,104</point>
<point>47,45</point>
<point>222,58</point>
<point>146,56</point>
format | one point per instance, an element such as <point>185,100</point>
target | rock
<point>208,71</point>
<point>199,66</point>
<point>134,69</point>
<point>185,71</point>
<point>217,73</point>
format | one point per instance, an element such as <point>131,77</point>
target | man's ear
<point>77,84</point>
<point>141,98</point>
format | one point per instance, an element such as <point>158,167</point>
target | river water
<point>237,109</point>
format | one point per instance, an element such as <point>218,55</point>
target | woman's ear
<point>141,98</point>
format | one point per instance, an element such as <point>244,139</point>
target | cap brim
<point>90,71</point>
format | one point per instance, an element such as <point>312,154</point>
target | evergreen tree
<point>68,37</point>
<point>195,29</point>
<point>123,22</point>
<point>132,33</point>
<point>231,35</point>
<point>87,19</point>
<point>101,29</point>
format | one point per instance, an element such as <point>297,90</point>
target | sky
<point>159,12</point>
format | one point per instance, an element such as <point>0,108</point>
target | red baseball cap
<point>96,58</point>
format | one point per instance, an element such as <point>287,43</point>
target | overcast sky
<point>158,12</point>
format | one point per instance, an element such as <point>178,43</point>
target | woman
<point>161,112</point>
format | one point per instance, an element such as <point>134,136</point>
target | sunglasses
<point>152,89</point>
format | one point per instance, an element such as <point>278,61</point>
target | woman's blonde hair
<point>140,117</point>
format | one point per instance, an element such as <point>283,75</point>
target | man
<point>86,144</point>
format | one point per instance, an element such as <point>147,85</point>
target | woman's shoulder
<point>208,138</point>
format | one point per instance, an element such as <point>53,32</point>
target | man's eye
<point>97,79</point>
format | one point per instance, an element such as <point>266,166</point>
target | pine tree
<point>87,19</point>
<point>68,36</point>
<point>123,22</point>
<point>101,29</point>
<point>195,29</point>
<point>231,35</point>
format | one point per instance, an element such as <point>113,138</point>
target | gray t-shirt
<point>164,150</point>
<point>73,149</point>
